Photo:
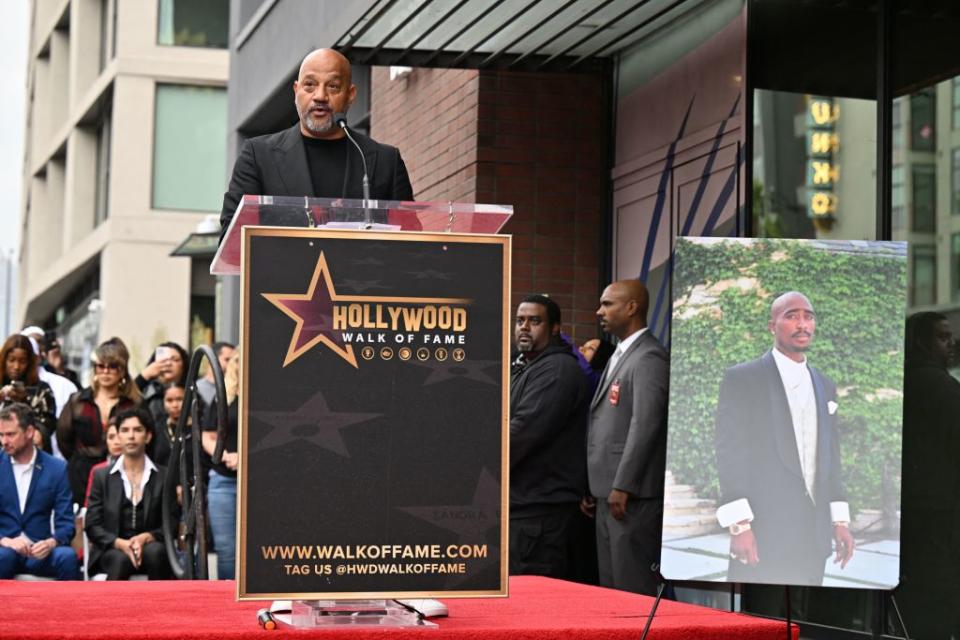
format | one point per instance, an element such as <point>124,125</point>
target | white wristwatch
<point>737,528</point>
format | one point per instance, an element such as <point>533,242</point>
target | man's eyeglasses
<point>110,366</point>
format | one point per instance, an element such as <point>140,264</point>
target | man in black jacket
<point>124,516</point>
<point>549,396</point>
<point>313,157</point>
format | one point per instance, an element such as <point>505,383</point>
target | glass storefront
<point>814,175</point>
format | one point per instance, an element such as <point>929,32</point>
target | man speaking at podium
<point>314,157</point>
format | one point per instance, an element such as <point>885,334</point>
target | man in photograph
<point>778,458</point>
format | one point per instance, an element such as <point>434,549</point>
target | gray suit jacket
<point>627,441</point>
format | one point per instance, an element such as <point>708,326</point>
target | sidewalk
<point>706,557</point>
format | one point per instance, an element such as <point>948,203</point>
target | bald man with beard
<point>314,157</point>
<point>778,458</point>
<point>626,444</point>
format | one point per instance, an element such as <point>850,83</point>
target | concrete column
<point>84,46</point>
<point>80,186</point>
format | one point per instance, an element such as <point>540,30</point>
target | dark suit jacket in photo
<point>757,459</point>
<point>102,522</point>
<point>276,165</point>
<point>627,443</point>
<point>49,492</point>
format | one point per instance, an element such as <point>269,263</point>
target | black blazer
<point>276,165</point>
<point>102,522</point>
<point>757,459</point>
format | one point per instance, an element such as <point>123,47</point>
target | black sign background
<point>390,452</point>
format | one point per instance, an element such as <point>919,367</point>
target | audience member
<point>54,361</point>
<point>162,444</point>
<point>206,386</point>
<point>33,485</point>
<point>81,429</point>
<point>114,450</point>
<point>222,487</point>
<point>124,517</point>
<point>62,388</point>
<point>549,397</point>
<point>22,383</point>
<point>167,364</point>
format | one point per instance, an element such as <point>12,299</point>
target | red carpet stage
<point>538,609</point>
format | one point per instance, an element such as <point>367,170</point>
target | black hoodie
<point>549,400</point>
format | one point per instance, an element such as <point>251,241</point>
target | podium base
<point>314,614</point>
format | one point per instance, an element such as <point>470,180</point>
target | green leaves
<point>722,296</point>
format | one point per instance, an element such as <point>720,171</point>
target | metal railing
<point>192,512</point>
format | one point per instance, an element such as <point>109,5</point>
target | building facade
<point>124,154</point>
<point>615,127</point>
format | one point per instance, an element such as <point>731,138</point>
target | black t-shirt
<point>327,160</point>
<point>210,424</point>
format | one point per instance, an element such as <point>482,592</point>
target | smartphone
<point>18,385</point>
<point>162,353</point>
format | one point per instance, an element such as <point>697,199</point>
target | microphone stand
<point>341,120</point>
<point>655,568</point>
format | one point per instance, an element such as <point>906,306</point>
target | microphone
<point>341,120</point>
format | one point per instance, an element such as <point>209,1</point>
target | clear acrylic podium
<point>283,211</point>
<point>360,215</point>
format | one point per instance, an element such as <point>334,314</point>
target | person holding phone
<point>167,364</point>
<point>22,383</point>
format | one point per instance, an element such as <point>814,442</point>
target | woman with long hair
<point>222,486</point>
<point>82,425</point>
<point>167,364</point>
<point>22,383</point>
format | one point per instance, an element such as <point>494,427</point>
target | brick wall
<point>535,141</point>
<point>431,116</point>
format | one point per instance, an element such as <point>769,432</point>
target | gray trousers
<point>627,549</point>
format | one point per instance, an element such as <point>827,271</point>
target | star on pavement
<point>312,422</point>
<point>313,313</point>
<point>471,522</point>
<point>466,370</point>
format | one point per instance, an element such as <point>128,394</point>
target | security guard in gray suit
<point>626,444</point>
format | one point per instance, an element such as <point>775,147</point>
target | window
<point>955,267</point>
<point>193,23</point>
<point>955,183</point>
<point>897,201</point>
<point>190,147</point>
<point>102,198</point>
<point>955,120</point>
<point>923,276</point>
<point>924,194</point>
<point>108,26</point>
<point>922,118</point>
<point>896,117</point>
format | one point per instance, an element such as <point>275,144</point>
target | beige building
<point>125,150</point>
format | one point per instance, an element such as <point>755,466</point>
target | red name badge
<point>614,396</point>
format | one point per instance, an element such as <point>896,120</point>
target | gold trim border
<point>506,244</point>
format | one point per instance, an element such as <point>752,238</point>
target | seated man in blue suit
<point>32,485</point>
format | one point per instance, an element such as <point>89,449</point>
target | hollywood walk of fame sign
<point>373,431</point>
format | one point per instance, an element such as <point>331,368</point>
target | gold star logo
<point>312,311</point>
